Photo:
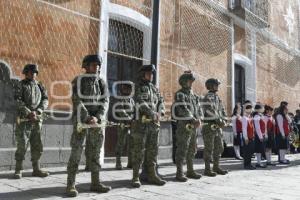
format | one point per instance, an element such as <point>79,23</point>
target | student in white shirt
<point>237,130</point>
<point>282,132</point>
<point>248,136</point>
<point>270,130</point>
<point>260,133</point>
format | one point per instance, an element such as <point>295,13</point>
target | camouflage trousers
<point>94,140</point>
<point>145,144</point>
<point>29,133</point>
<point>124,137</point>
<point>186,142</point>
<point>213,143</point>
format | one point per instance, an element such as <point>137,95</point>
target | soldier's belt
<point>43,116</point>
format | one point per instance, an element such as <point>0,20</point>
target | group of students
<point>260,130</point>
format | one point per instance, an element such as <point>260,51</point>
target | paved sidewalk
<point>280,182</point>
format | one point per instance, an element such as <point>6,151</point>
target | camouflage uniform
<point>149,103</point>
<point>214,115</point>
<point>188,113</point>
<point>90,99</point>
<point>30,96</point>
<point>126,108</point>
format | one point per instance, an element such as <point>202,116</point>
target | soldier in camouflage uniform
<point>150,107</point>
<point>187,113</point>
<point>214,118</point>
<point>124,114</point>
<point>32,100</point>
<point>90,105</point>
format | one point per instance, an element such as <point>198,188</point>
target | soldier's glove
<point>283,137</point>
<point>246,141</point>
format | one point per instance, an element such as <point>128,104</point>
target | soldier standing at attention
<point>90,105</point>
<point>237,130</point>
<point>124,114</point>
<point>32,100</point>
<point>149,109</point>
<point>214,118</point>
<point>187,113</point>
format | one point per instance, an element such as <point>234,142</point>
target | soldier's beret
<point>30,67</point>
<point>91,58</point>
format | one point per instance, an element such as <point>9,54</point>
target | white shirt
<point>233,119</point>
<point>279,120</point>
<point>245,120</point>
<point>258,131</point>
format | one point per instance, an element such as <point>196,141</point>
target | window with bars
<point>125,52</point>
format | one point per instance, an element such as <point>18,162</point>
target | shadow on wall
<point>7,103</point>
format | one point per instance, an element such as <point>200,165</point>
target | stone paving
<point>280,182</point>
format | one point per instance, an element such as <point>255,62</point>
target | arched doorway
<point>125,46</point>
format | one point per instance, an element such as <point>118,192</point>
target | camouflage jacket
<point>213,109</point>
<point>30,95</point>
<point>90,97</point>
<point>186,105</point>
<point>124,110</point>
<point>148,100</point>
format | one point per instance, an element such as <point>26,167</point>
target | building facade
<point>252,46</point>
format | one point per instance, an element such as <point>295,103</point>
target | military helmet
<point>30,67</point>
<point>91,58</point>
<point>147,68</point>
<point>187,75</point>
<point>211,82</point>
<point>126,85</point>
